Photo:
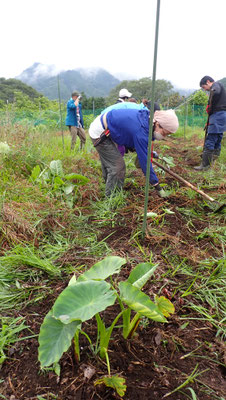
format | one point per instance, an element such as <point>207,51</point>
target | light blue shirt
<point>125,105</point>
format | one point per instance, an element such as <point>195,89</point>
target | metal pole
<point>61,124</point>
<point>150,136</point>
<point>185,107</point>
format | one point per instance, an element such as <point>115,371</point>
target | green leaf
<point>192,393</point>
<point>58,182</point>
<point>56,168</point>
<point>103,269</point>
<point>72,281</point>
<point>35,173</point>
<point>68,189</point>
<point>54,339</point>
<point>81,180</point>
<point>140,302</point>
<point>167,211</point>
<point>164,305</point>
<point>141,273</point>
<point>81,301</point>
<point>168,160</point>
<point>152,214</point>
<point>114,382</point>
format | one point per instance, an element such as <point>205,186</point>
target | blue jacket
<point>130,128</point>
<point>71,118</point>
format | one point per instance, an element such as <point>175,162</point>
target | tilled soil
<point>160,357</point>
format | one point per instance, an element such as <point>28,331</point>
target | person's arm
<point>141,146</point>
<point>81,116</point>
<point>216,88</point>
<point>142,151</point>
<point>71,103</point>
<point>214,95</point>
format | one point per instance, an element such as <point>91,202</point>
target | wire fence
<point>189,115</point>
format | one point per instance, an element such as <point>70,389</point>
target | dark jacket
<point>217,98</point>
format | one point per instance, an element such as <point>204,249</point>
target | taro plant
<point>90,294</point>
<point>61,185</point>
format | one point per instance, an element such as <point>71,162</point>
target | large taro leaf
<point>56,168</point>
<point>140,274</point>
<point>140,302</point>
<point>103,269</point>
<point>54,339</point>
<point>82,300</point>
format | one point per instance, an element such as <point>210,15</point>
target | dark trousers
<point>213,141</point>
<point>113,165</point>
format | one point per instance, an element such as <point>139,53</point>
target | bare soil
<point>157,360</point>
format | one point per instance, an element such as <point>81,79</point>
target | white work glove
<point>160,191</point>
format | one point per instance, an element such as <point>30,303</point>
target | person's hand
<point>160,192</point>
<point>155,154</point>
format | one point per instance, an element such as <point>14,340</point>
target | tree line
<point>13,91</point>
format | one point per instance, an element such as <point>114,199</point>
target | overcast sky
<point>117,36</point>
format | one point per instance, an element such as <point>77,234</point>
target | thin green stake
<point>61,123</point>
<point>150,136</point>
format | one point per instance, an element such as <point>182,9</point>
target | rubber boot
<point>216,154</point>
<point>207,157</point>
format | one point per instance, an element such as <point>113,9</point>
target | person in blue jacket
<point>74,120</point>
<point>128,127</point>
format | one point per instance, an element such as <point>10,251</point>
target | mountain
<point>93,82</point>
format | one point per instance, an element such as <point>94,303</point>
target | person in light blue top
<point>119,106</point>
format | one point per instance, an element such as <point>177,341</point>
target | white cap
<point>124,93</point>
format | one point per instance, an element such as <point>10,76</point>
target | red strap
<point>152,147</point>
<point>208,109</point>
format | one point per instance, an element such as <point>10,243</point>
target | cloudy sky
<point>117,36</point>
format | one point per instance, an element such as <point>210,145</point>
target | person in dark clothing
<point>147,104</point>
<point>216,124</point>
<point>74,120</point>
<point>128,127</point>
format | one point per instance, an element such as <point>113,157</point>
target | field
<point>55,225</point>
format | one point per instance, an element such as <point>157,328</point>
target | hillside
<point>93,82</point>
<point>9,86</point>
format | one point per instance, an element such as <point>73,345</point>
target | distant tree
<point>2,105</point>
<point>23,101</point>
<point>142,89</point>
<point>88,103</point>
<point>199,98</point>
<point>174,100</point>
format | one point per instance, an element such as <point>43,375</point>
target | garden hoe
<point>188,184</point>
